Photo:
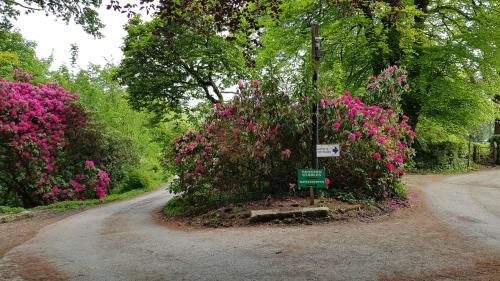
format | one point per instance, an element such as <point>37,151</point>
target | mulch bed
<point>237,215</point>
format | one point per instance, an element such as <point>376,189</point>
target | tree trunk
<point>497,121</point>
<point>411,105</point>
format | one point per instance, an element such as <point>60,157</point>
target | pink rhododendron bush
<point>35,122</point>
<point>255,143</point>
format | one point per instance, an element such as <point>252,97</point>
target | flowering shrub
<point>22,76</point>
<point>34,125</point>
<point>386,89</point>
<point>255,143</point>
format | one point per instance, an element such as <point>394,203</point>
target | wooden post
<point>314,113</point>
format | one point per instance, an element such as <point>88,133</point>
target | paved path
<point>456,239</point>
<point>471,204</point>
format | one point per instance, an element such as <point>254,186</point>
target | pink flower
<point>377,155</point>
<point>399,159</point>
<point>336,125</point>
<point>255,83</point>
<point>327,181</point>
<point>296,105</point>
<point>178,160</point>
<point>286,152</point>
<point>390,166</point>
<point>250,125</point>
<point>218,105</point>
<point>89,163</point>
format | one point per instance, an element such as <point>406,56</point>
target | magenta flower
<point>250,125</point>
<point>89,163</point>
<point>377,155</point>
<point>327,181</point>
<point>398,158</point>
<point>286,152</point>
<point>255,83</point>
<point>336,125</point>
<point>390,166</point>
<point>178,160</point>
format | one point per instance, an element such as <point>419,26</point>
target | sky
<point>53,36</point>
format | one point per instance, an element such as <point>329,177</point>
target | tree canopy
<point>167,72</point>
<point>82,12</point>
<point>17,52</point>
<point>449,48</point>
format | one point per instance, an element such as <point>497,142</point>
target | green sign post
<point>311,178</point>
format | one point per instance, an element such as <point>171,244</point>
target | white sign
<point>327,150</point>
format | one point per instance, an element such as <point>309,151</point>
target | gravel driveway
<point>452,233</point>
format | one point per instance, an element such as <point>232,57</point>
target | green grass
<point>447,171</point>
<point>11,210</point>
<point>179,207</point>
<point>92,202</point>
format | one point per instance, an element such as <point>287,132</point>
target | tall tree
<point>448,47</point>
<point>165,71</point>
<point>17,52</point>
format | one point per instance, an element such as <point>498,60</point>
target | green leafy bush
<point>446,155</point>
<point>136,180</point>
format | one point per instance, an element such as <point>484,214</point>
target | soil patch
<point>237,215</point>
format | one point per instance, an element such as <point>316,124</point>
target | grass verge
<point>92,202</point>
<point>11,210</point>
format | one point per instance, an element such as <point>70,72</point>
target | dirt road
<point>452,233</point>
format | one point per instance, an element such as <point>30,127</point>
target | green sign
<point>314,178</point>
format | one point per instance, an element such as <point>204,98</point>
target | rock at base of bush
<point>269,215</point>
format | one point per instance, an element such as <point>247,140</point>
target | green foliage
<point>445,155</point>
<point>92,202</point>
<point>179,206</point>
<point>447,47</point>
<point>166,72</point>
<point>255,143</point>
<point>495,138</point>
<point>82,12</point>
<point>108,149</point>
<point>120,139</point>
<point>17,52</point>
<point>136,180</point>
<point>11,210</point>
